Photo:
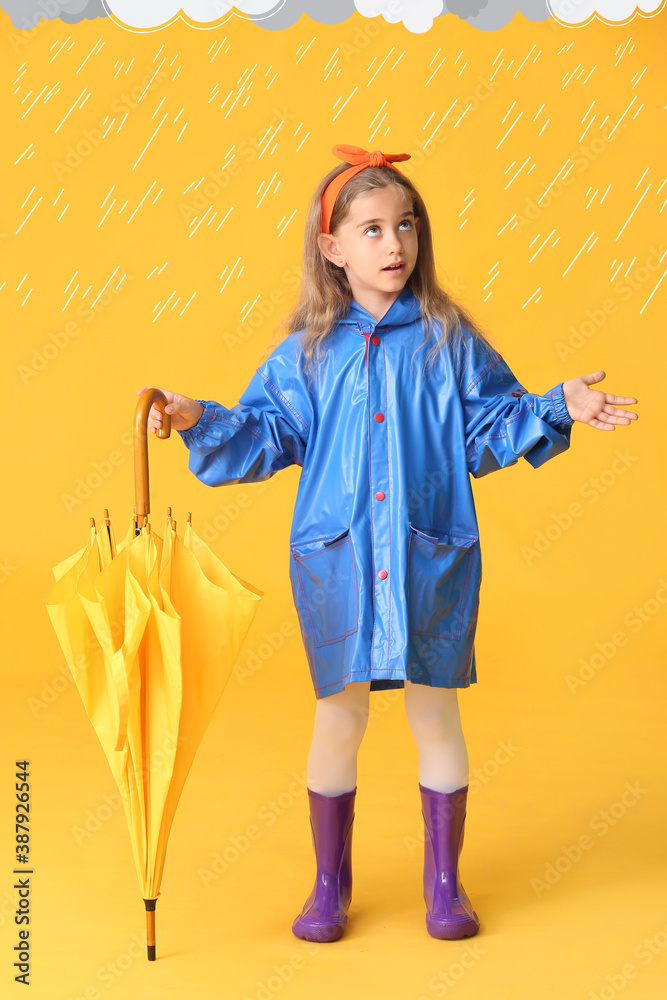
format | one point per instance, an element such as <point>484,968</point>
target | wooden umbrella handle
<point>150,928</point>
<point>148,398</point>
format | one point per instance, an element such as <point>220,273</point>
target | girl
<point>388,396</point>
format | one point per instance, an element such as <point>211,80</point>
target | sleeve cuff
<point>193,434</point>
<point>559,406</point>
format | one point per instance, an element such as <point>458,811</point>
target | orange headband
<point>360,159</point>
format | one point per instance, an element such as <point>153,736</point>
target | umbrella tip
<point>92,522</point>
<point>189,518</point>
<point>168,511</point>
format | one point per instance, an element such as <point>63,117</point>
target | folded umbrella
<point>150,629</point>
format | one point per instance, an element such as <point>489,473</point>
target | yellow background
<point>571,676</point>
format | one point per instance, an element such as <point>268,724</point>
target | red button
<point>382,574</point>
<point>375,340</point>
<point>379,495</point>
<point>379,417</point>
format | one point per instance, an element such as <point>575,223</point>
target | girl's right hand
<point>184,412</point>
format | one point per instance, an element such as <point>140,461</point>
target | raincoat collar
<point>404,309</point>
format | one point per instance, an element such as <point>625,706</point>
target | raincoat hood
<point>403,310</point>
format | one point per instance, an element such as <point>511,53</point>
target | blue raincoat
<point>385,562</point>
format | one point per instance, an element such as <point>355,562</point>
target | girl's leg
<point>340,723</point>
<point>433,716</point>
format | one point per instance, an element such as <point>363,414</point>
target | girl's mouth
<point>395,269</point>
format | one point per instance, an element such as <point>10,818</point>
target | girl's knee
<point>341,724</point>
<point>433,712</point>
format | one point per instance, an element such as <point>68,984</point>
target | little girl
<point>388,396</point>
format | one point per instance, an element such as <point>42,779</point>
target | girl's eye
<point>407,221</point>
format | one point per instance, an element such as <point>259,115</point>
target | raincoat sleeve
<point>250,442</point>
<point>503,421</point>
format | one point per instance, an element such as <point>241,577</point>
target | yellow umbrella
<point>150,629</point>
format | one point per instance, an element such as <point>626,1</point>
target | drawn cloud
<point>26,14</point>
<point>157,13</point>
<point>490,15</point>
<point>576,12</point>
<point>416,15</point>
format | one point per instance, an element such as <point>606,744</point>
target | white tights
<point>340,724</point>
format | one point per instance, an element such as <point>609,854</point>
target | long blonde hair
<point>324,296</point>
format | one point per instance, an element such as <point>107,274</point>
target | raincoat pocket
<point>444,574</point>
<point>326,595</point>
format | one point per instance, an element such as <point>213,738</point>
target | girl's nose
<point>394,243</point>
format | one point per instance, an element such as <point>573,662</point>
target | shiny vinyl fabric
<point>385,561</point>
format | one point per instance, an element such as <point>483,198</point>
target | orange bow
<point>360,159</point>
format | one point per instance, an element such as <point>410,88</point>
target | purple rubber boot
<point>449,912</point>
<point>324,913</point>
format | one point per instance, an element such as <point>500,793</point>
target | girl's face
<point>380,230</point>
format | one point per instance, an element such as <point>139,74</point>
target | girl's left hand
<point>589,406</point>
